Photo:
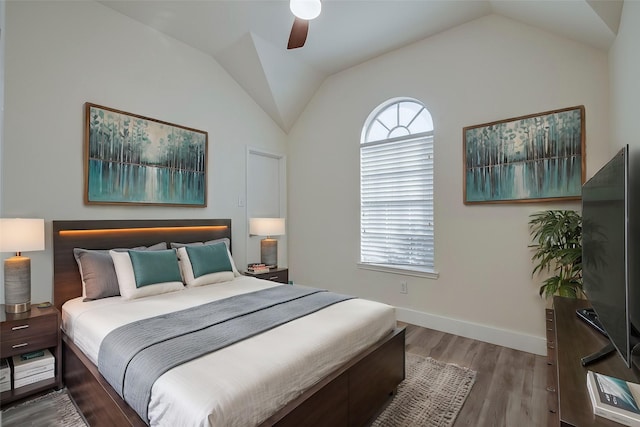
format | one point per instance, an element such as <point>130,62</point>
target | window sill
<point>407,271</point>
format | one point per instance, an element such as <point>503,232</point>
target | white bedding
<point>243,384</point>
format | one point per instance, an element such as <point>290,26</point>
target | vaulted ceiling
<point>249,37</point>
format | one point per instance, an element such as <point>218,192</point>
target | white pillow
<point>207,279</point>
<point>127,279</point>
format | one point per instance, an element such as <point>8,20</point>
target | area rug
<point>431,395</point>
<point>54,409</point>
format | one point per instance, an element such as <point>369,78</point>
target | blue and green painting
<point>525,159</point>
<point>135,160</point>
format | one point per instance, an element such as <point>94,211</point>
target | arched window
<point>396,187</point>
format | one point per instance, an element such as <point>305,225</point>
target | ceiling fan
<point>304,11</point>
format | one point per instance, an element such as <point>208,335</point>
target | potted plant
<point>557,244</point>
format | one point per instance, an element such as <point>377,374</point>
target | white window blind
<point>396,194</point>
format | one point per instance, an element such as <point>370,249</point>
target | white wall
<point>2,48</point>
<point>489,69</point>
<point>624,63</point>
<point>62,54</point>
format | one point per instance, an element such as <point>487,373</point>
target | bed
<point>337,365</point>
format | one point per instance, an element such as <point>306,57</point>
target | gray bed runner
<point>134,356</point>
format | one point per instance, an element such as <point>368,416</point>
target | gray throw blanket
<point>133,356</point>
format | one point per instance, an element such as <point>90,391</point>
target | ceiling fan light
<point>305,9</point>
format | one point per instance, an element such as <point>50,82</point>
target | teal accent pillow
<point>151,267</point>
<point>209,259</point>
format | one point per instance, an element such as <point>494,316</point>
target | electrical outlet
<point>403,288</point>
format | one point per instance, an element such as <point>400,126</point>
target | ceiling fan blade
<point>299,32</point>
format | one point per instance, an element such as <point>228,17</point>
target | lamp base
<point>17,284</point>
<point>17,308</point>
<point>269,252</point>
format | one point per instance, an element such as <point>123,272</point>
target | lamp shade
<point>305,9</point>
<point>266,226</point>
<point>21,235</point>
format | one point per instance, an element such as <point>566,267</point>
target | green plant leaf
<point>557,245</point>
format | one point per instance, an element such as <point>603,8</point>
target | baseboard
<point>505,338</point>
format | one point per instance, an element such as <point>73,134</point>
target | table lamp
<point>19,235</point>
<point>268,227</point>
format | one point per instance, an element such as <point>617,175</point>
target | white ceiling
<point>249,37</point>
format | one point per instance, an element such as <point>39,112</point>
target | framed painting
<point>138,160</point>
<point>534,158</point>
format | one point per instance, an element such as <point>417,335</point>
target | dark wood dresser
<point>568,340</point>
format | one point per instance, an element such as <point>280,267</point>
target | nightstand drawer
<point>277,276</point>
<point>22,329</point>
<point>27,344</point>
<point>280,275</point>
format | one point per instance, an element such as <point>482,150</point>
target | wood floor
<point>510,388</point>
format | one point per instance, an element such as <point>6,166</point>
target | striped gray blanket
<point>133,356</point>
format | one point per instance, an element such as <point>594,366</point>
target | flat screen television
<point>608,243</point>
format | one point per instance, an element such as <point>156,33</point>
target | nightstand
<point>37,329</point>
<point>280,275</point>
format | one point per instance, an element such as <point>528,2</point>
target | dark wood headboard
<point>108,234</point>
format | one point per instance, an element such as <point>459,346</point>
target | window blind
<point>396,196</point>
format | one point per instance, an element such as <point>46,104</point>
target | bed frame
<point>352,395</point>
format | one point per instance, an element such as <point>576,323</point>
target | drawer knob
<point>551,388</point>
<point>24,344</point>
<point>16,328</point>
